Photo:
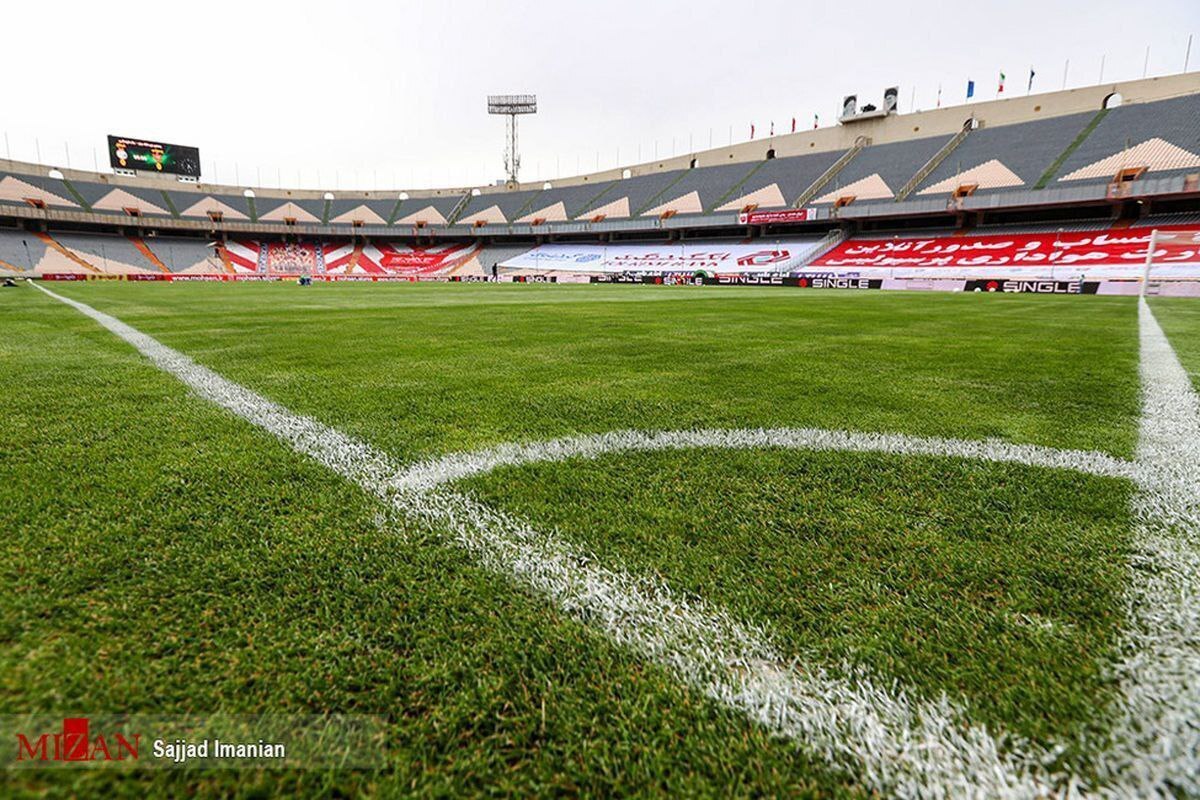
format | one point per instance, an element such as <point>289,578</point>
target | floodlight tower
<point>511,106</point>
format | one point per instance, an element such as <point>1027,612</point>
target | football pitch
<point>595,540</point>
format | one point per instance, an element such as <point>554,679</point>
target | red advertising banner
<point>1126,247</point>
<point>422,259</point>
<point>782,215</point>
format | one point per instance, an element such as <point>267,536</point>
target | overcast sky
<point>392,94</point>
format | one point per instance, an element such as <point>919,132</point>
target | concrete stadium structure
<point>1114,155</point>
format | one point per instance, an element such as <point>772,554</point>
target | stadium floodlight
<point>512,106</point>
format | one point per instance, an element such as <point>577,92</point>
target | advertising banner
<point>1034,256</point>
<point>725,258</point>
<point>1032,287</point>
<point>775,217</point>
<point>423,259</point>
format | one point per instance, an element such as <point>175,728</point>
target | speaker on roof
<point>890,97</point>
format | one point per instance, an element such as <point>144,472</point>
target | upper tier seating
<point>191,205</point>
<point>878,172</point>
<point>123,199</point>
<point>631,196</point>
<point>363,211</point>
<point>783,178</point>
<point>275,209</point>
<point>427,210</point>
<point>1163,136</point>
<point>1006,157</point>
<point>700,188</point>
<point>1151,139</point>
<point>26,190</point>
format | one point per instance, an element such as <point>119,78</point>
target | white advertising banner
<point>719,258</point>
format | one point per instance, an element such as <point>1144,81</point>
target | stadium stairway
<point>656,199</point>
<point>831,240</point>
<point>1053,169</point>
<point>395,211</point>
<point>733,191</point>
<point>76,195</point>
<point>67,253</point>
<point>147,253</point>
<point>829,174</point>
<point>170,205</point>
<point>530,204</point>
<point>457,211</point>
<point>593,202</point>
<point>932,164</point>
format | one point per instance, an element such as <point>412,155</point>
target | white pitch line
<point>1156,740</point>
<point>896,744</point>
<point>457,466</point>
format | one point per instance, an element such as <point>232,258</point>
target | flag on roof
<point>970,89</point>
<point>1001,89</point>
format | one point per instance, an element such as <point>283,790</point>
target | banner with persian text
<point>1033,256</point>
<point>670,257</point>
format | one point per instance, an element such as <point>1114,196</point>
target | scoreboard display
<point>149,156</point>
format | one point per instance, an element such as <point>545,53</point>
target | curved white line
<point>454,467</point>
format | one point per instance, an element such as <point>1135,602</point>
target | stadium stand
<point>511,206</point>
<point>280,210</point>
<point>632,196</point>
<point>1161,137</point>
<point>497,254</point>
<point>20,251</point>
<point>111,255</point>
<point>1062,250</point>
<point>575,199</point>
<point>878,172</point>
<point>1183,218</point>
<point>427,210</point>
<point>361,211</point>
<point>189,256</point>
<point>204,206</point>
<point>1058,163</point>
<point>122,199</point>
<point>789,177</point>
<point>23,189</point>
<point>699,189</point>
<point>1005,157</point>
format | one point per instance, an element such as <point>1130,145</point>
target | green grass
<point>1000,585</point>
<point>165,557</point>
<point>1179,318</point>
